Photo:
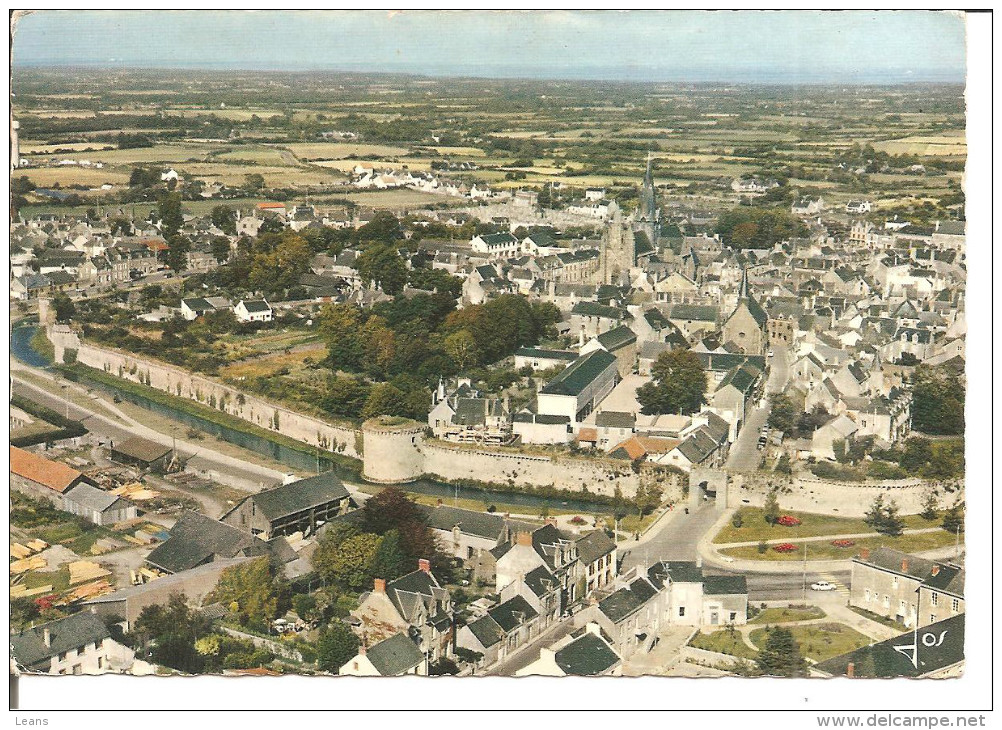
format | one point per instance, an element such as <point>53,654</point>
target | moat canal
<point>303,461</point>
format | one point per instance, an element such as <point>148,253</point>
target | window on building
<point>734,616</point>
<point>78,669</point>
<point>935,598</point>
<point>100,662</point>
<point>681,611</point>
<point>932,618</point>
<point>894,582</point>
<point>866,595</point>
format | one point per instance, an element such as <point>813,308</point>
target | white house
<point>253,310</point>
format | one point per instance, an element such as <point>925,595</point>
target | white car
<point>823,585</point>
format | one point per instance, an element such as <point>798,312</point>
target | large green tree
<point>783,413</point>
<point>250,589</point>
<point>678,384</point>
<point>382,264</point>
<point>780,657</point>
<point>937,400</point>
<point>224,218</point>
<point>347,564</point>
<point>337,645</point>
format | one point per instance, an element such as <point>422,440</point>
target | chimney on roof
<point>438,503</point>
<point>904,565</point>
<point>864,553</point>
<point>524,538</point>
<point>379,585</point>
<point>47,636</point>
<point>551,521</point>
<point>424,565</point>
<point>935,570</point>
<point>699,561</point>
<point>850,670</point>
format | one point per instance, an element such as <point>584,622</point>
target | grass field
<point>46,177</point>
<point>142,155</point>
<point>39,148</point>
<point>254,154</point>
<point>724,642</point>
<point>819,641</point>
<point>754,526</point>
<point>783,615</point>
<point>341,150</point>
<point>821,550</point>
<point>271,364</point>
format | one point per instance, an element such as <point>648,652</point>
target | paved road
<point>745,454</point>
<point>103,427</point>
<point>676,541</point>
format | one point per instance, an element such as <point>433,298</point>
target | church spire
<point>649,175</point>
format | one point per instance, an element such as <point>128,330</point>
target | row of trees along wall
<point>255,410</point>
<point>846,499</point>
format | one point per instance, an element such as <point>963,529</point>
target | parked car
<point>823,585</point>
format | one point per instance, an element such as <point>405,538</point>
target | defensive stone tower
<point>392,450</point>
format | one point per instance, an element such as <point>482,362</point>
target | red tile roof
<point>51,474</point>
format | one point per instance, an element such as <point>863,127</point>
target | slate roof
<point>883,660</point>
<point>949,578</point>
<point>725,585</point>
<point>694,312</point>
<point>617,337</point>
<point>586,656</point>
<point>480,524</point>
<point>540,418</point>
<point>487,631</point>
<point>394,656</point>
<point>540,581</point>
<point>594,309</point>
<point>256,305</point>
<point>593,546</point>
<point>195,539</point>
<point>615,419</point>
<point>567,355</point>
<point>512,613</point>
<point>287,499</point>
<point>52,474</point>
<point>412,590</point>
<point>626,601</point>
<point>580,374</point>
<point>726,361</point>
<point>197,304</point>
<point>742,377</point>
<point>73,632</point>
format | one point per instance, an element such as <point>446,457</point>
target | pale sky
<point>751,46</point>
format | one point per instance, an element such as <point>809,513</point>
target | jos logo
<point>929,639</point>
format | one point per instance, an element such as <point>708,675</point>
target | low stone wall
<point>205,390</point>
<point>822,496</point>
<point>275,647</point>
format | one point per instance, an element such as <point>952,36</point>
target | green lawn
<point>754,526</point>
<point>819,641</point>
<point>58,579</point>
<point>724,642</point>
<point>878,618</point>
<point>783,615</point>
<point>822,550</point>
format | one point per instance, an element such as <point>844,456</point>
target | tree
<point>771,508</point>
<point>220,247</point>
<point>883,517</point>
<point>384,400</point>
<point>953,518</point>
<point>462,348</point>
<point>224,218</point>
<point>930,505</point>
<point>783,414</point>
<point>176,253</point>
<point>337,645</point>
<point>647,499</point>
<point>678,384</point>
<point>387,510</point>
<point>254,182</point>
<point>348,565</point>
<point>120,226</point>
<point>390,561</point>
<point>169,214</point>
<point>781,655</point>
<point>385,266</point>
<point>937,400</point>
<point>918,453</point>
<point>63,307</point>
<point>250,586</point>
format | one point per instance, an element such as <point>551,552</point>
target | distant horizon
<point>741,47</point>
<point>525,73</point>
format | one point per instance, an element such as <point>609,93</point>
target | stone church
<point>746,327</point>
